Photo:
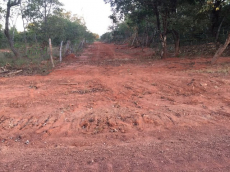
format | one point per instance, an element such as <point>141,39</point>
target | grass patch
<point>33,63</point>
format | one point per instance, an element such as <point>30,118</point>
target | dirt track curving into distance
<point>110,110</point>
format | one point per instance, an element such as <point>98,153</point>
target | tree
<point>42,19</point>
<point>62,27</point>
<point>189,23</point>
<point>161,9</point>
<point>10,4</point>
<point>38,11</point>
<point>96,36</point>
<point>221,49</point>
<point>106,37</point>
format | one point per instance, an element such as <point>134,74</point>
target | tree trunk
<point>24,33</point>
<point>164,46</point>
<point>176,37</point>
<point>67,48</point>
<point>218,32</point>
<point>6,31</point>
<point>221,50</point>
<point>147,40</point>
<point>135,36</point>
<point>157,16</point>
<point>163,37</point>
<point>83,44</point>
<point>14,28</point>
<point>35,39</point>
<point>46,34</point>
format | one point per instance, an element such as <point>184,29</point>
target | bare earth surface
<point>109,110</point>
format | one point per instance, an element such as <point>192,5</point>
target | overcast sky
<point>95,13</point>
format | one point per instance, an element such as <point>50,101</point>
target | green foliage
<point>3,41</point>
<point>60,28</point>
<point>37,10</point>
<point>42,19</point>
<point>5,58</point>
<point>48,20</point>
<point>106,37</point>
<point>189,21</point>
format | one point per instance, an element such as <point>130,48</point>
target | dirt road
<point>112,110</point>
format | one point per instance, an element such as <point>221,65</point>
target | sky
<point>94,12</point>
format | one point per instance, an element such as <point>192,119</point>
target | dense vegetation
<point>42,19</point>
<point>159,23</point>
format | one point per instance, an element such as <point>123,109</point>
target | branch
<point>221,50</point>
<point>49,8</point>
<point>14,3</point>
<point>40,12</point>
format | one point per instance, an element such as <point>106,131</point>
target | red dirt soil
<point>110,110</point>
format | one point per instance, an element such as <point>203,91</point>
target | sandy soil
<point>110,110</point>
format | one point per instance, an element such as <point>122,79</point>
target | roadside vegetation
<point>42,20</point>
<point>173,28</point>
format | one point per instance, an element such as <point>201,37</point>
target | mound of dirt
<point>70,57</point>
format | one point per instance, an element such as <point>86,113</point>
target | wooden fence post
<point>51,53</point>
<point>67,48</point>
<point>61,51</point>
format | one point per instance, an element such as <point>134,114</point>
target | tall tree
<point>39,11</point>
<point>10,4</point>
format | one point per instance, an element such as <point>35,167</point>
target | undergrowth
<point>35,61</point>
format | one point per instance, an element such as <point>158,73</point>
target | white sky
<point>95,13</point>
